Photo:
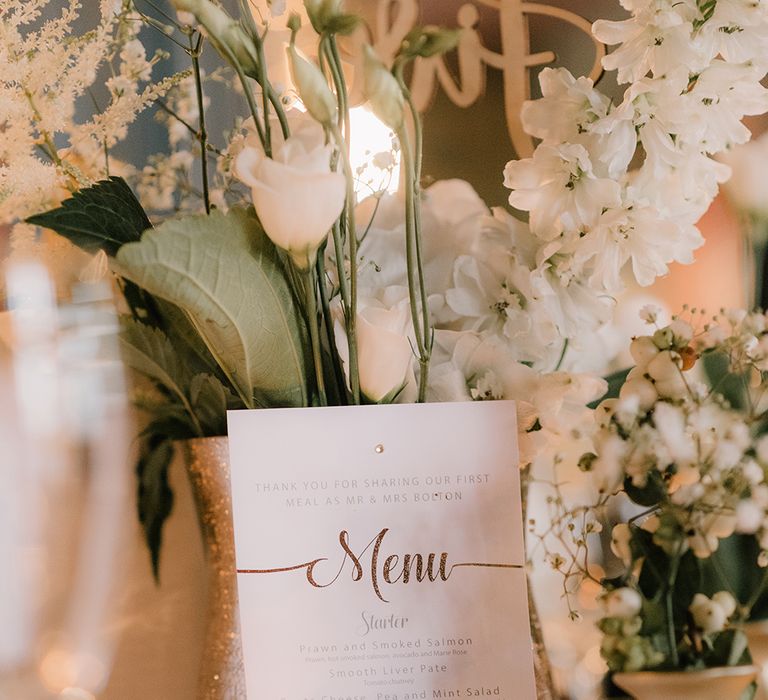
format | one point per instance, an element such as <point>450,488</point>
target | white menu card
<point>380,552</point>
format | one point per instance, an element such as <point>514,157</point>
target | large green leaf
<point>226,274</point>
<point>102,217</point>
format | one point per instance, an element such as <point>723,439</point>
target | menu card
<point>380,552</point>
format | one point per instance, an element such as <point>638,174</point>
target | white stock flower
<point>567,106</point>
<point>658,38</point>
<point>639,235</point>
<point>296,195</point>
<point>559,189</point>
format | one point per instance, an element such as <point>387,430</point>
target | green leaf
<point>210,401</point>
<point>729,649</point>
<point>155,499</point>
<point>148,351</point>
<point>648,495</point>
<point>187,341</point>
<point>615,382</point>
<point>102,217</point>
<point>732,387</point>
<point>226,274</point>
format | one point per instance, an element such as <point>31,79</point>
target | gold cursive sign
<point>389,570</point>
<point>395,18</point>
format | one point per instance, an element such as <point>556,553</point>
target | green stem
<point>202,134</point>
<point>248,94</point>
<point>314,331</point>
<point>351,313</point>
<point>759,590</point>
<point>341,88</point>
<point>278,107</point>
<point>265,88</point>
<point>669,607</point>
<point>417,165</point>
<point>330,333</point>
<point>416,289</point>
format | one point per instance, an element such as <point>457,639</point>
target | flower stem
<point>314,331</point>
<point>248,94</point>
<point>351,310</point>
<point>341,87</point>
<point>669,606</point>
<point>202,135</point>
<point>338,372</point>
<point>416,290</point>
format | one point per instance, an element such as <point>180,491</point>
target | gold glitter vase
<point>222,675</point>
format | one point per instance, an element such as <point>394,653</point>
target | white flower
<point>639,235</point>
<point>658,38</point>
<point>750,517</point>
<point>623,603</point>
<point>296,195</point>
<point>621,537</point>
<point>384,352</point>
<point>558,187</point>
<point>726,601</point>
<point>709,530</point>
<point>711,615</point>
<point>567,106</point>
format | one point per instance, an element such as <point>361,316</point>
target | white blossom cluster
<point>694,463</point>
<point>46,70</point>
<point>670,434</point>
<point>617,185</point>
<point>487,336</point>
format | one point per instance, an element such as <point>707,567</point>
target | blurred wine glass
<point>65,439</point>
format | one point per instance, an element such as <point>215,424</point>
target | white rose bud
<point>222,30</point>
<point>707,614</point>
<point>625,603</point>
<point>312,87</point>
<point>384,353</point>
<point>382,91</point>
<point>296,195</point>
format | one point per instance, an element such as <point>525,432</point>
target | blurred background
<point>471,100</point>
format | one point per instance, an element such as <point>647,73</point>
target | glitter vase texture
<point>222,674</point>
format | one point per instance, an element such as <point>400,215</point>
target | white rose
<point>708,615</point>
<point>384,352</point>
<point>296,195</point>
<point>623,602</point>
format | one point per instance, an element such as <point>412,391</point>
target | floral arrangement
<point>253,274</point>
<point>695,465</point>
